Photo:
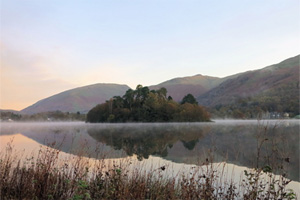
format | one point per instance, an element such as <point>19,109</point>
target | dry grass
<point>47,177</point>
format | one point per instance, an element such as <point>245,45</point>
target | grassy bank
<point>48,177</point>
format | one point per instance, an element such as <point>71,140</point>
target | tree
<point>162,93</point>
<point>129,98</point>
<point>189,98</point>
<point>143,105</point>
<point>118,102</point>
<point>99,113</point>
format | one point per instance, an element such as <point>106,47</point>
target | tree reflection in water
<point>190,143</point>
<point>145,140</point>
<point>276,146</point>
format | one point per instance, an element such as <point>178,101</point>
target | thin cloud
<point>26,79</point>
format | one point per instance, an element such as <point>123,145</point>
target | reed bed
<point>47,176</point>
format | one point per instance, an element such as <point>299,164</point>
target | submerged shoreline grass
<point>48,177</point>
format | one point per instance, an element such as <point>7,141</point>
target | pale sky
<point>49,46</point>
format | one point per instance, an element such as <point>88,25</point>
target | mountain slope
<point>80,99</point>
<point>196,85</point>
<point>263,82</point>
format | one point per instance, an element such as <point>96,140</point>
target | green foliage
<point>189,99</point>
<point>281,100</point>
<point>267,168</point>
<point>143,105</point>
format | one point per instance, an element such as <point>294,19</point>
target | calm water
<point>237,143</point>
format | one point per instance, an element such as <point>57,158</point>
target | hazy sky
<point>48,46</point>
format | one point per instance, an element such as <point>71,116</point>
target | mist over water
<point>230,141</point>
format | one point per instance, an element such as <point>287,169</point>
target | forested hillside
<point>271,89</point>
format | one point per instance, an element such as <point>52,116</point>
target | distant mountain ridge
<point>281,78</point>
<point>196,85</point>
<point>253,83</point>
<point>80,99</point>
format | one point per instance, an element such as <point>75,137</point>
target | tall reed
<point>47,176</point>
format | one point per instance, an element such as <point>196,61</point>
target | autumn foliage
<point>143,105</point>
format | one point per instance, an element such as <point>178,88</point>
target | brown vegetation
<point>47,177</point>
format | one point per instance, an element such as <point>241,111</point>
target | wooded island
<point>145,105</point>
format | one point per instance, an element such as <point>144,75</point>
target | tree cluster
<point>143,105</point>
<point>284,99</point>
<point>44,116</point>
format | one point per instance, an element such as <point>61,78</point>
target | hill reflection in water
<point>199,143</point>
<point>191,143</point>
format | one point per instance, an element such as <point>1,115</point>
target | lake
<point>240,144</point>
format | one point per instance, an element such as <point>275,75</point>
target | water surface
<point>240,143</point>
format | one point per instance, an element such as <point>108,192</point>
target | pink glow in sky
<point>51,46</point>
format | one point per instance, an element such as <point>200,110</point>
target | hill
<point>80,99</point>
<point>196,85</point>
<point>273,88</point>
